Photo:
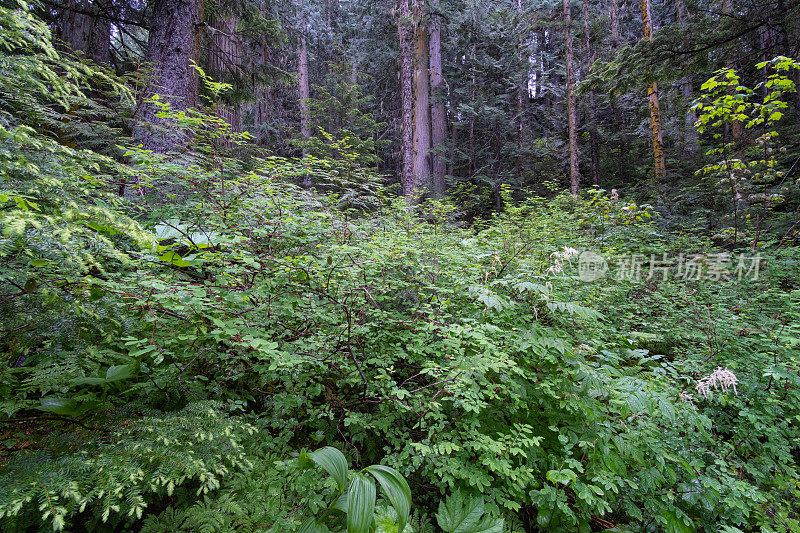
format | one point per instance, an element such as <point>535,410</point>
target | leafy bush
<point>469,361</point>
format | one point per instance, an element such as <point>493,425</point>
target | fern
<point>115,471</point>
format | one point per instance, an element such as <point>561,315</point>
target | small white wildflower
<point>569,252</point>
<point>702,388</point>
<point>566,254</point>
<point>686,397</point>
<point>558,264</point>
<point>721,378</point>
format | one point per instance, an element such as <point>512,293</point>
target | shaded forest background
<point>382,266</point>
<point>461,97</point>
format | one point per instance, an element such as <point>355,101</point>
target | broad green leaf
<point>333,462</point>
<point>114,373</point>
<point>564,476</point>
<point>340,503</point>
<point>360,504</point>
<point>89,381</point>
<point>675,524</point>
<point>386,521</point>
<point>455,515</point>
<point>102,228</point>
<point>174,258</point>
<point>59,406</point>
<point>120,372</point>
<point>312,526</point>
<point>396,489</point>
<point>171,229</point>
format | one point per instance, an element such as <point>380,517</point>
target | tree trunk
<point>691,143</point>
<point>737,128</point>
<point>84,32</point>
<point>793,34</point>
<point>406,35</point>
<point>589,61</point>
<point>303,88</point>
<point>226,62</point>
<point>265,108</point>
<point>540,70</point>
<point>522,97</point>
<point>331,14</point>
<point>617,116</point>
<point>422,106</point>
<point>173,44</point>
<point>572,116</point>
<point>438,113</point>
<point>265,100</point>
<point>613,14</point>
<point>691,140</point>
<point>655,109</point>
<point>470,166</point>
<point>681,11</point>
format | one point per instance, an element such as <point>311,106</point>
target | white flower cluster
<point>560,258</point>
<point>721,378</point>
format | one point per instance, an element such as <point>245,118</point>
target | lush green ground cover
<point>167,361</point>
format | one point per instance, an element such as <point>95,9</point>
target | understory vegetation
<point>226,349</point>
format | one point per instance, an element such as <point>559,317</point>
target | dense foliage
<point>176,357</point>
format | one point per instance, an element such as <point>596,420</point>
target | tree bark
<point>736,127</point>
<point>265,108</point>
<point>655,108</point>
<point>613,14</point>
<point>82,28</point>
<point>681,11</point>
<point>540,67</point>
<point>438,113</point>
<point>594,154</point>
<point>473,59</point>
<point>572,116</point>
<point>422,106</point>
<point>331,13</point>
<point>406,35</point>
<point>173,44</point>
<point>793,37</point>
<point>522,96</point>
<point>691,143</point>
<point>225,62</point>
<point>303,88</point>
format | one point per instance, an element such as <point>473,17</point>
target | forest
<point>400,266</point>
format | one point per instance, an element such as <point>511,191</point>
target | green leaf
<point>386,521</point>
<point>340,503</point>
<point>174,258</point>
<point>59,406</point>
<point>312,526</point>
<point>360,504</point>
<point>333,462</point>
<point>89,381</point>
<point>675,524</point>
<point>102,228</point>
<point>396,489</point>
<point>564,476</point>
<point>455,515</point>
<point>120,372</point>
<point>114,373</point>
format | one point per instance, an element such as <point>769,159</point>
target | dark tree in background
<point>572,113</point>
<point>172,48</point>
<point>462,96</point>
<point>84,27</point>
